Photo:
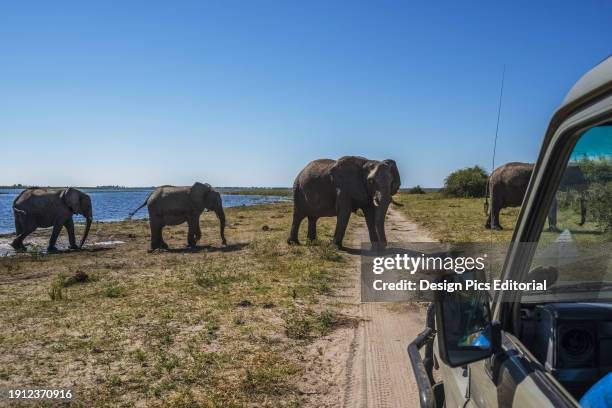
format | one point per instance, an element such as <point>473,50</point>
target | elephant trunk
<point>87,227</point>
<point>381,202</point>
<point>221,215</point>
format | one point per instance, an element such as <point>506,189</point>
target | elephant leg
<point>57,228</point>
<point>18,228</point>
<point>295,227</point>
<point>344,213</point>
<point>370,222</point>
<point>191,233</point>
<point>552,216</point>
<point>488,220</point>
<point>157,241</point>
<point>17,243</point>
<point>312,228</point>
<point>25,229</point>
<point>496,208</point>
<point>198,231</point>
<point>69,224</point>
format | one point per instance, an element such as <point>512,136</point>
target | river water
<point>115,205</point>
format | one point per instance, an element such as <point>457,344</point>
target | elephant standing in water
<point>508,184</point>
<point>328,188</point>
<point>47,207</point>
<point>169,205</point>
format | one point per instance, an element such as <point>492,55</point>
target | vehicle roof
<point>597,77</point>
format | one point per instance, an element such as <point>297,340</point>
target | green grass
<point>463,219</point>
<point>179,328</point>
<point>455,219</point>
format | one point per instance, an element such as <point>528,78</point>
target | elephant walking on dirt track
<point>169,205</point>
<point>508,185</point>
<point>335,188</point>
<point>48,207</point>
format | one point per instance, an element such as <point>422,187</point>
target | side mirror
<point>463,321</point>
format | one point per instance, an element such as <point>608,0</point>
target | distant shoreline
<point>225,190</point>
<point>276,191</point>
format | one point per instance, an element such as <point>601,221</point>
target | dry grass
<point>215,327</point>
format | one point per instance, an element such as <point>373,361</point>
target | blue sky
<point>247,93</point>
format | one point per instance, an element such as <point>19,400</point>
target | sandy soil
<point>365,364</point>
<point>40,240</point>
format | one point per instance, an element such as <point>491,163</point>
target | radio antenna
<point>499,106</point>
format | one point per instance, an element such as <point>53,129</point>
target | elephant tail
<point>131,214</point>
<point>486,203</point>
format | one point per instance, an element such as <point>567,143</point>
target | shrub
<point>596,170</point>
<point>600,196</point>
<point>37,251</point>
<point>468,182</point>
<point>416,190</point>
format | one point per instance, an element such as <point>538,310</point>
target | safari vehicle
<point>549,348</point>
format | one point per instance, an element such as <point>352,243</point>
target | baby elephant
<point>47,207</point>
<point>169,205</point>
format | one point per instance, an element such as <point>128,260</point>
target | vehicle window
<point>576,240</point>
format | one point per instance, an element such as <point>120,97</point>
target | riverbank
<point>219,326</point>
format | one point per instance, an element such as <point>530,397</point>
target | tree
<point>467,182</point>
<point>416,190</point>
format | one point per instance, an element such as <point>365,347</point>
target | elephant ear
<point>348,176</point>
<point>72,198</point>
<point>397,182</point>
<point>198,193</point>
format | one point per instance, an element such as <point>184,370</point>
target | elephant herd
<point>324,188</point>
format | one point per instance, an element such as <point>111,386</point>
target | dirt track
<point>366,365</point>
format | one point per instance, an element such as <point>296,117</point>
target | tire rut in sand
<point>366,364</point>
<point>378,370</point>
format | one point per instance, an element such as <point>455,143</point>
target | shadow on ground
<point>203,248</point>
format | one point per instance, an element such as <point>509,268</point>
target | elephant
<point>328,188</point>
<point>508,183</point>
<point>50,207</point>
<point>170,205</point>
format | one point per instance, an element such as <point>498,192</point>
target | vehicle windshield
<point>575,243</point>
